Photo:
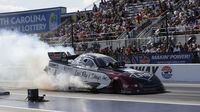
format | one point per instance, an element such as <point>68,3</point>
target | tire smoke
<point>23,59</point>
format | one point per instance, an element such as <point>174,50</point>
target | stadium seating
<point>111,20</point>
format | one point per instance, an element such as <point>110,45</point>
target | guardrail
<point>181,30</point>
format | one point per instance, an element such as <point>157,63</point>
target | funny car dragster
<point>103,74</point>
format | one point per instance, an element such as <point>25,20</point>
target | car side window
<point>89,63</point>
<point>78,61</point>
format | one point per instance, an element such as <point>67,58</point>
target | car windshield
<point>104,61</point>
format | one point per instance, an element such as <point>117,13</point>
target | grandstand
<point>130,27</point>
<point>112,20</point>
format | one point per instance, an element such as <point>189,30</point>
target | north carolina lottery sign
<point>34,21</point>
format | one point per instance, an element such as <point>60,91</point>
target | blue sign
<point>171,58</point>
<point>165,58</point>
<point>35,21</point>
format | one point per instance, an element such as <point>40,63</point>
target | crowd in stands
<point>132,49</point>
<point>186,18</point>
<point>105,22</point>
<point>110,18</point>
<point>114,16</point>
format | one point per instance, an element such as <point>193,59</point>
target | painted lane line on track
<point>197,85</point>
<point>183,94</point>
<point>125,100</point>
<point>31,109</point>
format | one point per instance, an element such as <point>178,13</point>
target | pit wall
<point>172,72</point>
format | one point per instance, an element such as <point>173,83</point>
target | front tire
<point>94,90</point>
<point>117,87</point>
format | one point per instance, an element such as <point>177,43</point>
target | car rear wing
<point>61,56</point>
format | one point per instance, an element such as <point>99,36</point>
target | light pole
<point>166,28</point>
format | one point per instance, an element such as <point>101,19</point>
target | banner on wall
<point>34,21</point>
<point>166,58</point>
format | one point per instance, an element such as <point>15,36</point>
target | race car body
<point>102,73</point>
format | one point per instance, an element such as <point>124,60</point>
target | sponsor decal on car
<point>91,75</point>
<point>166,72</point>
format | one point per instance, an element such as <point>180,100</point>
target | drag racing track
<point>179,98</point>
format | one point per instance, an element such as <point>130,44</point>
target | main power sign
<point>35,21</point>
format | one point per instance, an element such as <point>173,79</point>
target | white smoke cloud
<point>23,59</point>
<point>63,81</point>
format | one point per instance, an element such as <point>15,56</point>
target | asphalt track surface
<point>179,98</point>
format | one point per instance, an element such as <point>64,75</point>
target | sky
<point>22,5</point>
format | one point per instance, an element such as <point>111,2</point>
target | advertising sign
<point>165,58</point>
<point>34,21</point>
<point>171,72</point>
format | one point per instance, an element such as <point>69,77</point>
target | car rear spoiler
<point>61,56</point>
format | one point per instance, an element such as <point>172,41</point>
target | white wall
<point>173,72</point>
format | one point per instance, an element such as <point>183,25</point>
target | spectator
<point>177,49</point>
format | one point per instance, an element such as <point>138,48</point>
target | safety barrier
<point>171,72</point>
